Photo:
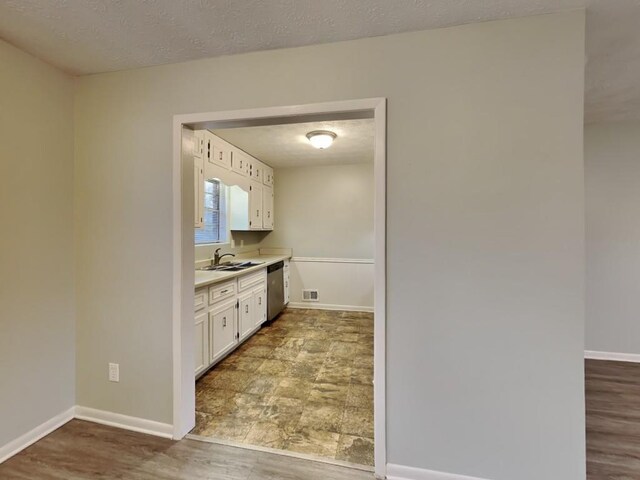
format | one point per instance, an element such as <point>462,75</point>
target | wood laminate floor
<point>613,420</point>
<point>303,384</point>
<point>87,451</point>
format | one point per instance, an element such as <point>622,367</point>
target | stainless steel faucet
<point>217,257</point>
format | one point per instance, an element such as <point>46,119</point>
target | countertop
<point>205,278</point>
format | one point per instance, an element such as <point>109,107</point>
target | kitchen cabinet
<point>198,143</point>
<point>226,314</point>
<point>249,180</point>
<point>267,208</point>
<point>217,153</point>
<point>267,175</point>
<point>255,206</point>
<point>260,304</point>
<point>240,162</point>
<point>198,190</point>
<point>222,329</point>
<point>257,170</point>
<point>246,316</point>
<point>201,352</point>
<point>287,281</point>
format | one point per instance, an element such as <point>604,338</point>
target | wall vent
<point>310,295</point>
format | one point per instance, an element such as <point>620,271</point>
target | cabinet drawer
<point>221,292</point>
<point>200,300</point>
<point>252,280</point>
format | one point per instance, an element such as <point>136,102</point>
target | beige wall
<point>485,231</point>
<point>324,211</point>
<point>612,172</point>
<point>37,346</point>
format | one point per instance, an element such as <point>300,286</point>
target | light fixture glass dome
<point>321,138</point>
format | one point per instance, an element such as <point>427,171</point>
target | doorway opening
<point>306,380</point>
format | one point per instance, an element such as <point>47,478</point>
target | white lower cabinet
<point>222,330</point>
<point>201,353</point>
<point>287,281</point>
<point>246,316</point>
<point>226,314</point>
<point>260,301</point>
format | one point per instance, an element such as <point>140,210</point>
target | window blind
<point>210,232</point>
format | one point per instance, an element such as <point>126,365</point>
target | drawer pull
<point>223,292</point>
<point>246,309</point>
<point>224,321</point>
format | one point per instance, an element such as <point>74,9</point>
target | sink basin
<point>230,267</point>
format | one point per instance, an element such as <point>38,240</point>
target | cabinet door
<point>267,208</point>
<point>255,206</point>
<point>257,170</point>
<point>267,175</point>
<point>239,162</point>
<point>201,351</point>
<point>246,315</point>
<point>198,143</point>
<point>222,330</point>
<point>260,299</point>
<point>198,192</point>
<point>221,155</point>
<point>286,281</point>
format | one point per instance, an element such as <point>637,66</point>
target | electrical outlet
<point>114,372</point>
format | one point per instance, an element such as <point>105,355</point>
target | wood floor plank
<point>612,397</point>
<point>86,451</point>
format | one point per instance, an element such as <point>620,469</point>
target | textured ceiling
<point>91,36</point>
<point>287,145</point>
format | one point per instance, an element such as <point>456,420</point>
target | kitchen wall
<point>485,231</point>
<point>612,172</point>
<point>37,345</point>
<point>325,213</point>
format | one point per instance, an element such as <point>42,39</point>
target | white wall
<point>485,231</point>
<point>612,172</point>
<point>326,213</point>
<point>37,346</point>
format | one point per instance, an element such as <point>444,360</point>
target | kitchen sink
<point>230,267</point>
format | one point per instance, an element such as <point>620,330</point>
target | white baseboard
<point>400,472</point>
<point>328,306</point>
<point>16,446</point>
<point>617,357</point>
<point>126,422</point>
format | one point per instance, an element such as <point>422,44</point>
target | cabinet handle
<point>259,300</point>
<point>224,321</point>
<point>246,309</point>
<point>257,213</point>
<point>223,291</point>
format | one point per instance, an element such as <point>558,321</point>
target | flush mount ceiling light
<point>321,138</point>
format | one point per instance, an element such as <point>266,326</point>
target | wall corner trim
<point>126,422</point>
<point>401,472</point>
<point>612,356</point>
<point>16,446</point>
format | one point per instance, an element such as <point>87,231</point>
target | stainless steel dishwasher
<point>275,290</point>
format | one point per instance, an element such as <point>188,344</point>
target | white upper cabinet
<point>198,143</point>
<point>240,162</point>
<point>249,180</point>
<point>267,208</point>
<point>255,206</point>
<point>257,171</point>
<point>267,175</point>
<point>198,191</point>
<point>217,153</point>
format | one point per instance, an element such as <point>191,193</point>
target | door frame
<point>184,249</point>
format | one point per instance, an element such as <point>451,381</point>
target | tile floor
<point>302,384</point>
